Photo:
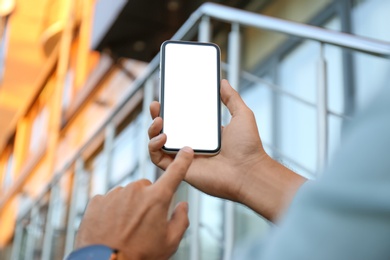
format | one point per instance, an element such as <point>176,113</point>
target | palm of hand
<point>241,146</point>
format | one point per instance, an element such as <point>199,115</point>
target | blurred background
<point>77,78</point>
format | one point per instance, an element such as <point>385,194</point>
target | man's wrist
<point>270,187</point>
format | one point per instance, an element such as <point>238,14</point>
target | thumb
<point>231,98</point>
<point>178,224</point>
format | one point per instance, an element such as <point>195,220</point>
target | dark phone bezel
<point>218,102</point>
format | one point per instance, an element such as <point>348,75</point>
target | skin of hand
<point>134,219</point>
<point>242,171</point>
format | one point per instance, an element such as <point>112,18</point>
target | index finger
<point>176,171</point>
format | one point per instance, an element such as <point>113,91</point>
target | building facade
<point>79,122</point>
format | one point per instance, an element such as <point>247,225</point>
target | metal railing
<point>249,19</point>
<point>200,22</point>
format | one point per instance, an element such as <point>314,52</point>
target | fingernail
<point>187,149</point>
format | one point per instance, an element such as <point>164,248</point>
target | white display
<point>190,96</point>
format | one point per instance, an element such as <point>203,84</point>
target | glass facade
<point>7,172</point>
<point>280,86</point>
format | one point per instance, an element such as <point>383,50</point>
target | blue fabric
<point>346,213</point>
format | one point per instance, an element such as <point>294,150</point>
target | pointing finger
<point>176,171</point>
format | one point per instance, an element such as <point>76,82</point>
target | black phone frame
<point>162,73</point>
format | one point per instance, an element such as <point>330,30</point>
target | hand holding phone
<point>190,96</point>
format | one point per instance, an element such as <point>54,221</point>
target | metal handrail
<point>229,14</point>
<point>246,18</point>
<point>257,79</point>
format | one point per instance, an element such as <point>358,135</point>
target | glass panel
<point>25,222</point>
<point>83,187</point>
<point>211,227</point>
<point>249,227</point>
<point>298,133</point>
<point>183,252</point>
<point>368,18</point>
<point>372,73</point>
<point>125,154</point>
<point>98,169</point>
<point>34,230</point>
<point>39,229</point>
<point>7,177</point>
<point>60,215</point>
<point>3,44</point>
<point>68,90</point>
<point>39,130</point>
<point>298,70</point>
<point>298,75</point>
<point>335,126</point>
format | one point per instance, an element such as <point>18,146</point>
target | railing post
<point>47,244</point>
<point>17,243</point>
<point>70,231</point>
<point>204,33</point>
<point>322,112</point>
<point>234,50</point>
<point>108,149</point>
<point>144,155</point>
<point>31,232</point>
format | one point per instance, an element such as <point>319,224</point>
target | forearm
<point>269,188</point>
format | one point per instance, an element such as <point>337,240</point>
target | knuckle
<point>151,146</point>
<point>138,185</point>
<point>97,197</point>
<point>95,200</point>
<point>131,187</point>
<point>156,158</point>
<point>114,190</point>
<point>250,112</point>
<point>154,129</point>
<point>145,182</point>
<point>186,222</point>
<point>151,132</point>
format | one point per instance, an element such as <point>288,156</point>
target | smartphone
<point>190,97</point>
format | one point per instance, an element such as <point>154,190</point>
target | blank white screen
<point>190,98</point>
